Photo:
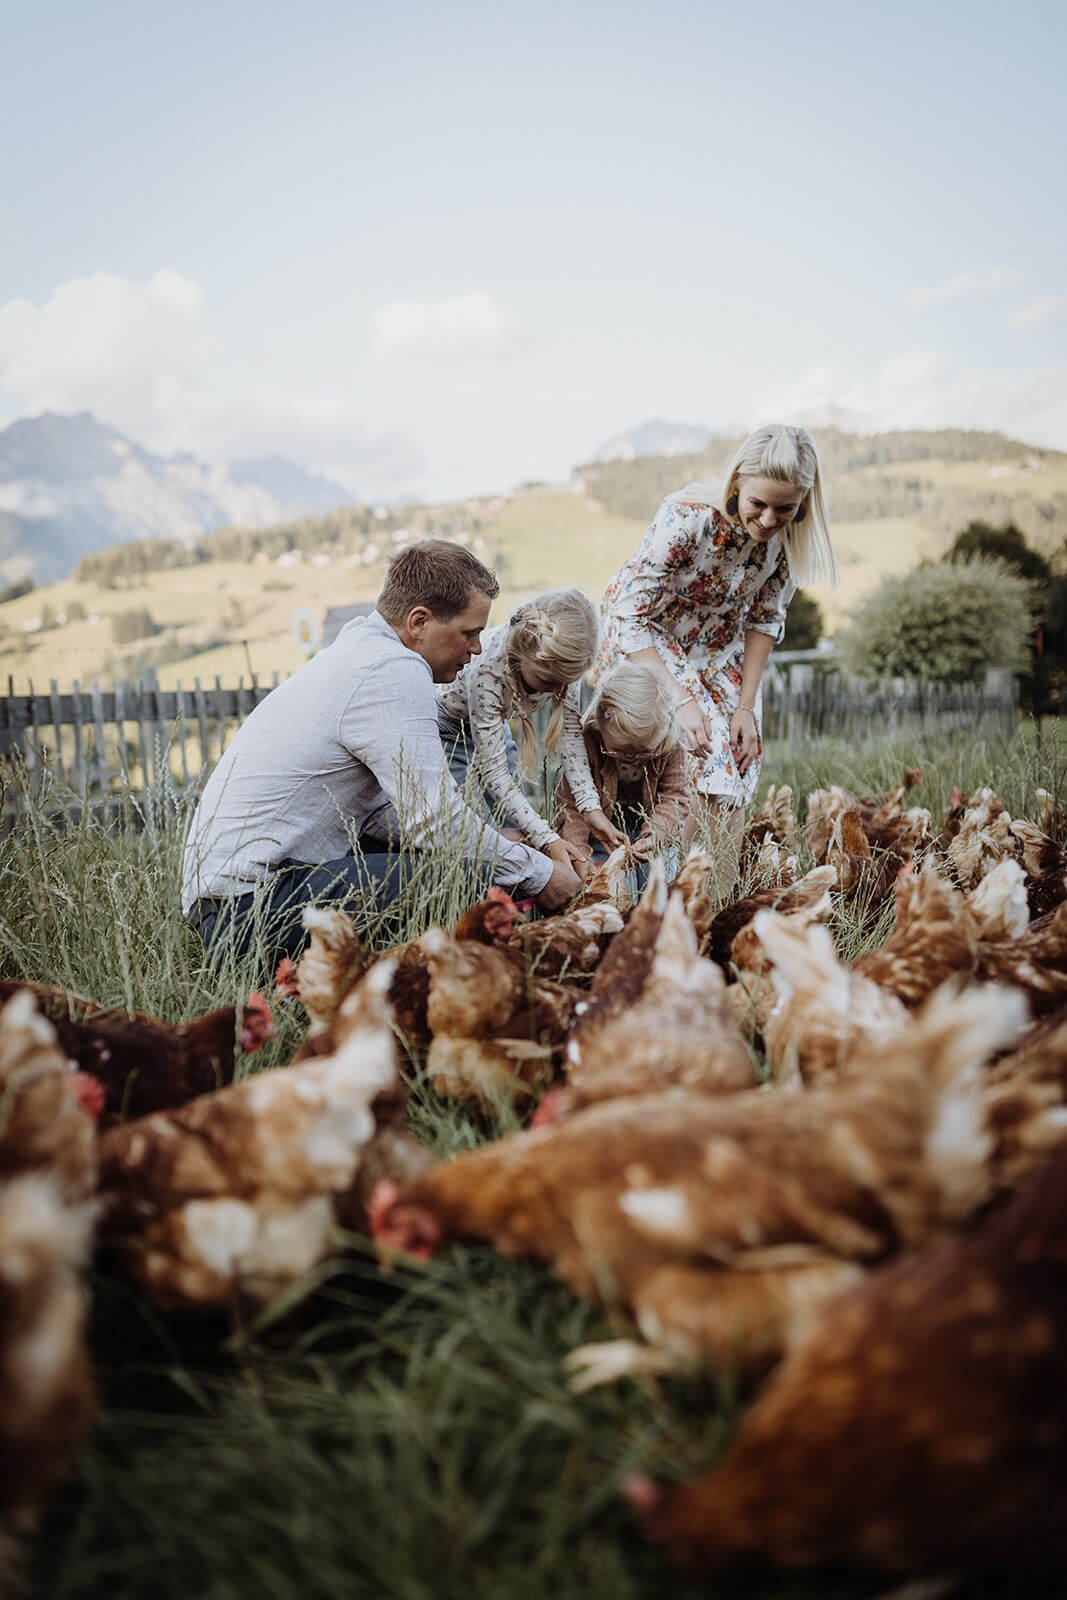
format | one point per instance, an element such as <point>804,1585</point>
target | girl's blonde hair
<point>555,634</point>
<point>788,454</point>
<point>635,709</point>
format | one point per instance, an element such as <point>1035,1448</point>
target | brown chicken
<point>496,1030</point>
<point>999,905</point>
<point>720,1221</point>
<point>47,1180</point>
<point>810,894</point>
<point>624,970</point>
<point>680,1032</point>
<point>774,821</point>
<point>918,1425</point>
<point>983,838</point>
<point>570,945</point>
<point>1045,863</point>
<point>145,1064</point>
<point>336,959</point>
<point>238,1192</point>
<point>1051,816</point>
<point>826,1011</point>
<point>935,937</point>
<point>753,996</point>
<point>1036,961</point>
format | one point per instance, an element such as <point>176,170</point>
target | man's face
<point>447,646</point>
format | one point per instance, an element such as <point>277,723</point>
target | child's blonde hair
<point>554,634</point>
<point>635,709</point>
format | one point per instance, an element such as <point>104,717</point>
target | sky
<point>438,250</point>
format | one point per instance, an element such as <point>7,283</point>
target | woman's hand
<point>694,727</point>
<point>602,828</point>
<point>568,855</point>
<point>745,739</point>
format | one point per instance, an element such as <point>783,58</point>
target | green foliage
<point>803,623</point>
<point>1004,544</point>
<point>128,626</point>
<point>940,622</point>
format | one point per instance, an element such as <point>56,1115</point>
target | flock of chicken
<point>883,1222</point>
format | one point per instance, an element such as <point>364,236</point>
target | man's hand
<point>561,887</point>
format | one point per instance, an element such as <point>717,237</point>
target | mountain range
<point>70,485</point>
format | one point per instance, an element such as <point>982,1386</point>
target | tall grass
<point>408,1435</point>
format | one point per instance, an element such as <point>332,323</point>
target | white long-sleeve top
<point>352,732</point>
<point>484,695</point>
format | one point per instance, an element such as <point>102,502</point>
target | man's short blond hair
<point>434,573</point>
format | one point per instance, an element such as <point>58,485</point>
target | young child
<point>641,771</point>
<point>536,657</point>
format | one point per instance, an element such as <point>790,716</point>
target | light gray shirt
<point>352,732</point>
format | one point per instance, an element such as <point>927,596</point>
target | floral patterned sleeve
<point>573,758</point>
<point>767,612</point>
<point>489,706</point>
<point>669,548</point>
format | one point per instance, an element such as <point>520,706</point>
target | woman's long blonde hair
<point>555,634</point>
<point>634,708</point>
<point>789,455</point>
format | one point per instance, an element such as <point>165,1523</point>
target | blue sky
<point>440,249</point>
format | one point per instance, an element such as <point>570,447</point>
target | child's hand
<point>602,828</point>
<point>568,855</point>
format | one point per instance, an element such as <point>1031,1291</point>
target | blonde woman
<point>704,599</point>
<point>635,755</point>
<point>536,658</point>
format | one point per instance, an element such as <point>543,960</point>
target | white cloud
<point>923,389</point>
<point>134,353</point>
<point>987,281</point>
<point>1035,313</point>
<point>455,325</point>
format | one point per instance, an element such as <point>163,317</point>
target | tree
<point>803,623</point>
<point>946,621</point>
<point>1005,544</point>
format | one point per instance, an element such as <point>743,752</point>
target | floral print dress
<point>696,586</point>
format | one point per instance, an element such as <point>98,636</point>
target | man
<point>350,741</point>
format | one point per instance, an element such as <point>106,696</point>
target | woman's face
<point>766,505</point>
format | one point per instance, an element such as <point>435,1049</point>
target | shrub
<point>126,626</point>
<point>803,623</point>
<point>949,622</point>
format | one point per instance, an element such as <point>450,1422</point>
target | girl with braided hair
<point>536,658</point>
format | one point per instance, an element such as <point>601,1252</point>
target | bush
<point>949,622</point>
<point>126,626</point>
<point>803,623</point>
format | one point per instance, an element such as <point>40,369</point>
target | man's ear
<point>416,620</point>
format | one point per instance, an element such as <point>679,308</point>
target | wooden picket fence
<point>98,747</point>
<point>802,702</point>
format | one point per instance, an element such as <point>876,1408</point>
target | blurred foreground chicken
<point>680,1032</point>
<point>720,1222</point>
<point>47,1180</point>
<point>935,937</point>
<point>918,1426</point>
<point>239,1191</point>
<point>145,1064</point>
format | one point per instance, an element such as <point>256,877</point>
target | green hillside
<point>225,606</point>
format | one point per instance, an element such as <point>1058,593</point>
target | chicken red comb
<point>957,796</point>
<point>383,1198</point>
<point>549,1109</point>
<point>257,1021</point>
<point>285,979</point>
<point>639,1489</point>
<point>500,896</point>
<point>89,1092</point>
